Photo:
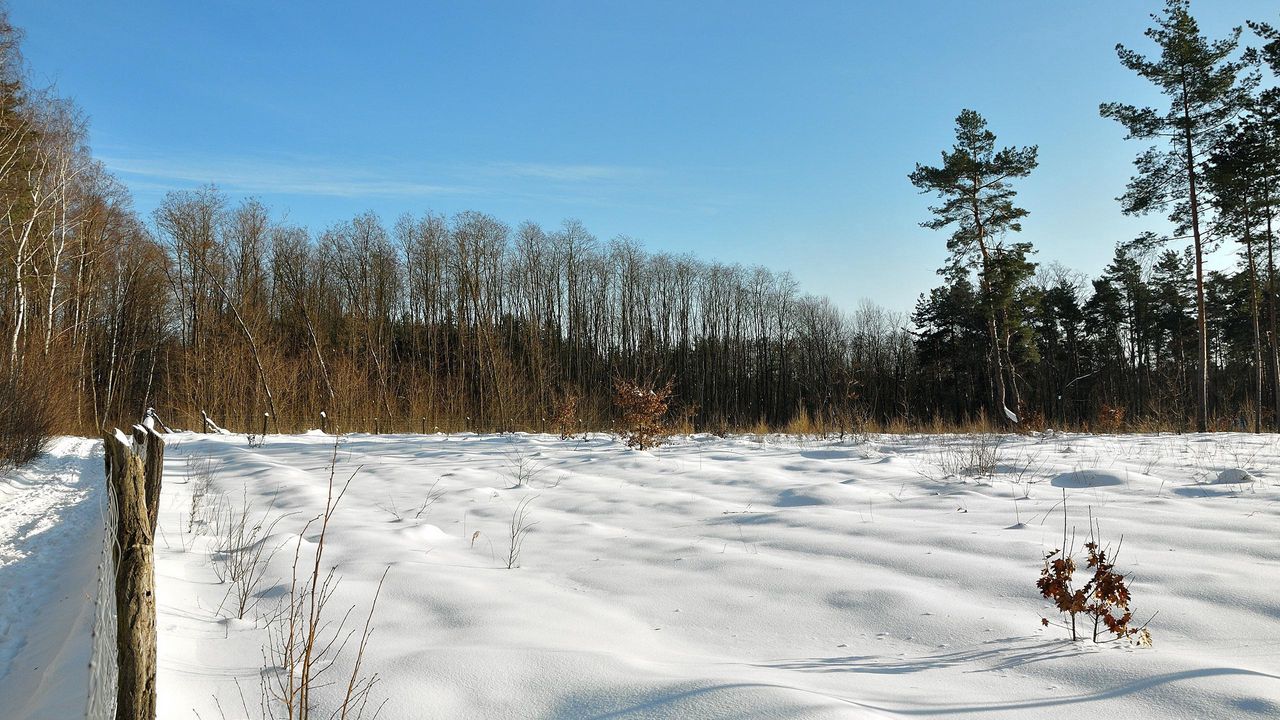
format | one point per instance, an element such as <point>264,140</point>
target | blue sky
<point>778,133</point>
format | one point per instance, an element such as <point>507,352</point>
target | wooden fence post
<point>136,481</point>
<point>153,470</point>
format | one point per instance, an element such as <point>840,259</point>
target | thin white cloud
<point>308,176</point>
<point>568,173</point>
<point>256,176</point>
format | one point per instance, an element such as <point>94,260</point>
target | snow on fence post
<point>153,448</point>
<point>151,419</point>
<point>135,484</point>
<point>324,422</point>
<point>212,427</point>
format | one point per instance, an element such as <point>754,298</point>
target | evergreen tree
<point>1267,114</point>
<point>973,181</point>
<point>1206,89</point>
<point>1058,328</point>
<point>1105,315</point>
<point>950,346</point>
<point>1174,326</point>
<point>1125,275</point>
<point>1236,178</point>
<point>1266,117</point>
<point>1227,305</point>
<point>1270,51</point>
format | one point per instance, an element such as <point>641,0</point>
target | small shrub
<point>1103,600</point>
<point>856,421</point>
<point>201,473</point>
<point>566,420</point>
<point>1033,421</point>
<point>643,408</point>
<point>434,493</point>
<point>971,455</point>
<point>522,467</point>
<point>308,637</point>
<point>26,418</point>
<point>1110,419</point>
<point>521,524</point>
<point>242,556</point>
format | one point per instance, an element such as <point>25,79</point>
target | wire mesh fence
<point>103,671</point>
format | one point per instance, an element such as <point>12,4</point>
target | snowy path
<point>50,545</point>
<point>729,578</point>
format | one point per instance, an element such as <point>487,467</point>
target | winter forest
<point>213,303</point>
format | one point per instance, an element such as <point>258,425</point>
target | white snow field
<point>745,577</point>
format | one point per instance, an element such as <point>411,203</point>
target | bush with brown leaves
<point>566,420</point>
<point>1110,419</point>
<point>27,420</point>
<point>1104,599</point>
<point>642,408</point>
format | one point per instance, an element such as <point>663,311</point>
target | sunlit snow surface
<point>51,524</point>
<point>747,577</point>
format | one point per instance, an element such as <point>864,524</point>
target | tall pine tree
<point>1266,112</point>
<point>1236,176</point>
<point>1206,89</point>
<point>973,181</point>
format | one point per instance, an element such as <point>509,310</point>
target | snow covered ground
<point>726,578</point>
<point>51,521</point>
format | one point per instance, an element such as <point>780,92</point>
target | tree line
<point>1156,336</point>
<point>212,303</point>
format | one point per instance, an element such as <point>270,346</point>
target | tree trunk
<point>1275,338</point>
<point>994,355</point>
<point>1257,333</point>
<point>1202,406</point>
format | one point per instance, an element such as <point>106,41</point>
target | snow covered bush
<point>642,408</point>
<point>1104,599</point>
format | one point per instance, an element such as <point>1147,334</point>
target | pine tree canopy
<point>973,180</point>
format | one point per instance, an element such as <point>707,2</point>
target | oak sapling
<point>1104,600</point>
<point>566,420</point>
<point>643,408</point>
